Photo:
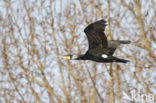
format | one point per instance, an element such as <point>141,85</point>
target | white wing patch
<point>104,56</point>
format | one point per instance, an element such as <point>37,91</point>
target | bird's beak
<point>66,57</point>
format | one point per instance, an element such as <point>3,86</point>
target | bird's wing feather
<point>96,36</point>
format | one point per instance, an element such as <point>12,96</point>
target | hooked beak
<point>66,57</point>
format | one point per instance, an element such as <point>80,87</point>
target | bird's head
<point>71,57</point>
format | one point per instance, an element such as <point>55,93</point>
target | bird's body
<point>100,49</point>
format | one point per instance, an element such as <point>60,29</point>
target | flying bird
<point>100,49</point>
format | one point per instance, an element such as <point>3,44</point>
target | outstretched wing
<point>96,37</point>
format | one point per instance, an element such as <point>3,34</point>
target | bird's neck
<point>82,57</point>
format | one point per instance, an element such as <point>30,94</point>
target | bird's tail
<point>120,60</point>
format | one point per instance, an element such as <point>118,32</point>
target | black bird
<point>100,49</point>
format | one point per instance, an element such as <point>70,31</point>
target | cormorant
<point>100,49</point>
